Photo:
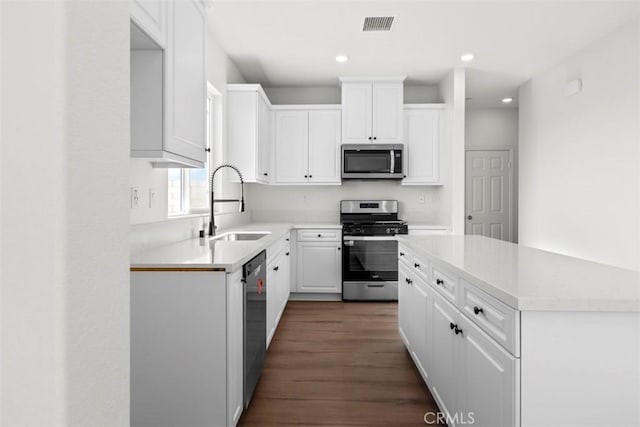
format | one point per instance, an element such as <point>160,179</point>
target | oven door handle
<point>348,240</point>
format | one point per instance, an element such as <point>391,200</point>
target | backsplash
<point>322,203</point>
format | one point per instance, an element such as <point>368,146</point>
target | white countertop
<point>216,254</point>
<point>530,279</point>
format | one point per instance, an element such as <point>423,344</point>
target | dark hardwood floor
<point>339,364</point>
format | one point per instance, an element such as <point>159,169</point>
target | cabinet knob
<point>401,253</point>
<point>287,254</point>
<point>339,248</point>
<point>276,268</point>
<point>375,137</point>
<point>319,235</point>
<point>306,176</point>
<point>416,265</point>
<point>287,239</point>
<point>370,138</point>
<point>265,174</point>
<point>469,217</point>
<point>310,176</point>
<point>452,325</point>
<point>439,281</point>
<point>477,310</point>
<point>457,330</point>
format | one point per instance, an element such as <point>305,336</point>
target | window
<point>188,189</point>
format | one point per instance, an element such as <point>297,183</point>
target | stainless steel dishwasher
<point>254,277</point>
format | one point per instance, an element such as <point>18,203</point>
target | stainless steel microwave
<point>372,161</point>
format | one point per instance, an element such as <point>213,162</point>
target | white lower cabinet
<point>473,378</point>
<point>488,381</point>
<point>277,285</point>
<point>319,267</point>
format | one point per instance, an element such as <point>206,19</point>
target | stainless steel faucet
<point>212,224</point>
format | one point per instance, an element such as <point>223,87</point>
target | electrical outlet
<point>421,199</point>
<point>135,197</point>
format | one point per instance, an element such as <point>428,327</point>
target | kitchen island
<point>515,336</point>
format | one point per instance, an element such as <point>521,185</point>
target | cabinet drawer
<point>319,235</point>
<point>421,266</point>
<point>404,256</point>
<point>498,320</point>
<point>446,283</point>
<point>277,247</point>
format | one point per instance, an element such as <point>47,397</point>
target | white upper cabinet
<point>372,111</point>
<point>307,146</point>
<point>291,147</point>
<point>249,131</point>
<point>168,86</point>
<point>422,144</point>
<point>186,84</point>
<point>324,146</point>
<point>151,17</point>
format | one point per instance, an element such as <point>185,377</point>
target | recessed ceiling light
<point>467,57</point>
<point>507,100</point>
<point>342,58</point>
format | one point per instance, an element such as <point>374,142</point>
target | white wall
<point>452,89</point>
<point>491,126</point>
<point>496,127</point>
<point>580,155</point>
<point>332,95</point>
<point>151,226</point>
<point>64,253</point>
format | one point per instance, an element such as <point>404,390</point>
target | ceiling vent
<point>377,23</point>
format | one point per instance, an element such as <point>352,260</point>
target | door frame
<point>512,152</point>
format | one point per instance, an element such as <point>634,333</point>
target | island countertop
<point>530,279</point>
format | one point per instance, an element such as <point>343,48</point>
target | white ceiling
<point>294,42</point>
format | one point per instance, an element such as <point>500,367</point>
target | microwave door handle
<point>393,162</point>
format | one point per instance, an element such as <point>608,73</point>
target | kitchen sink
<point>242,236</point>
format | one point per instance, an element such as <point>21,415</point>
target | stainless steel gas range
<point>369,249</point>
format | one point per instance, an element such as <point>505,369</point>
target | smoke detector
<point>377,23</point>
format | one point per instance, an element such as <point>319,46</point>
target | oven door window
<point>367,161</point>
<point>370,260</point>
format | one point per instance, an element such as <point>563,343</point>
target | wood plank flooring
<point>339,364</point>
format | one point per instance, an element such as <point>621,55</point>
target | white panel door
<point>488,194</point>
<point>443,367</point>
<point>263,141</point>
<point>487,385</point>
<point>186,82</point>
<point>324,146</point>
<point>356,113</point>
<point>319,267</point>
<point>387,113</point>
<point>291,155</point>
<point>421,146</point>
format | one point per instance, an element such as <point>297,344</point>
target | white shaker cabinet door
<point>422,146</point>
<point>404,307</point>
<point>421,324</point>
<point>443,365</point>
<point>387,113</point>
<point>357,101</point>
<point>487,387</point>
<point>151,17</point>
<point>186,84</point>
<point>291,156</point>
<point>319,267</point>
<point>263,145</point>
<point>235,343</point>
<point>324,146</point>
